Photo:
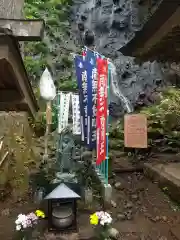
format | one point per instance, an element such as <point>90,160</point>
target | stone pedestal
<point>88,196</point>
<point>107,193</point>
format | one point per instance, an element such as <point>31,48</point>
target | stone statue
<point>65,151</point>
<point>65,155</point>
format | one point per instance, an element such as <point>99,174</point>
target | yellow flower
<point>40,213</point>
<point>94,219</point>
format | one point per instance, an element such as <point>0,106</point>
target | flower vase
<point>102,232</point>
<point>26,235</point>
<point>24,238</point>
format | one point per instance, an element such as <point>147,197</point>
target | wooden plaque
<point>135,131</point>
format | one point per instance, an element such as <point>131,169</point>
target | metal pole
<point>107,128</point>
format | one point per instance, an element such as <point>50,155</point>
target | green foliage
<point>34,66</point>
<point>67,86</point>
<point>41,47</point>
<point>39,123</point>
<point>53,21</point>
<point>166,114</point>
<point>163,123</point>
<point>54,117</point>
<point>61,2</point>
<point>31,11</point>
<point>67,61</point>
<point>39,55</point>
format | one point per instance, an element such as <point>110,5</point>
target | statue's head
<point>89,38</point>
<point>81,27</point>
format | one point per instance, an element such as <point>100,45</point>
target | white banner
<point>63,111</point>
<point>76,114</point>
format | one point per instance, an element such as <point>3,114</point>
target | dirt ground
<point>142,210</point>
<point>139,208</point>
<point>9,210</point>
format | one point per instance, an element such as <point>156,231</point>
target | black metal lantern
<point>62,209</point>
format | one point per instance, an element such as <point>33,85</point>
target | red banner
<point>101,115</point>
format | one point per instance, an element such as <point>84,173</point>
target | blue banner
<point>81,75</point>
<point>90,65</point>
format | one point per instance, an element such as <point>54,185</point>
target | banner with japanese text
<point>101,116</point>
<point>76,114</point>
<point>90,63</point>
<point>81,75</point>
<point>63,112</point>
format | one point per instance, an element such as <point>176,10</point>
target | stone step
<point>167,176</point>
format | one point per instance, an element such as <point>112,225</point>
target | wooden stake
<point>48,113</point>
<point>4,158</point>
<point>48,123</point>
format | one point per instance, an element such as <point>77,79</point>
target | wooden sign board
<point>23,29</point>
<point>135,131</point>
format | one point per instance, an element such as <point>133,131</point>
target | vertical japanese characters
<point>90,64</point>
<point>81,75</point>
<point>76,114</point>
<point>63,111</point>
<point>84,90</point>
<point>94,102</point>
<point>92,77</point>
<point>101,116</point>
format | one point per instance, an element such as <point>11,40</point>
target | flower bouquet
<point>26,223</point>
<point>102,220</point>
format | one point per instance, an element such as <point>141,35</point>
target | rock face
<point>114,23</point>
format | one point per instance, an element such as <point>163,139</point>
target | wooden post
<point>48,113</point>
<point>23,29</point>
<point>11,13</point>
<point>11,8</point>
<point>48,124</point>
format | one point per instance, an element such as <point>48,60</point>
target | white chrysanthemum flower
<point>102,222</point>
<point>100,214</point>
<point>21,218</point>
<point>109,220</point>
<point>17,222</point>
<point>104,218</point>
<point>24,224</point>
<point>18,227</point>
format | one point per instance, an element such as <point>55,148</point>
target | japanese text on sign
<point>94,109</point>
<point>135,131</point>
<point>84,87</point>
<point>102,70</point>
